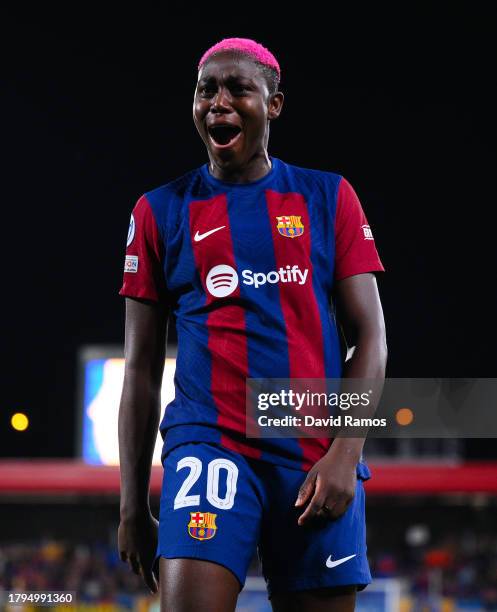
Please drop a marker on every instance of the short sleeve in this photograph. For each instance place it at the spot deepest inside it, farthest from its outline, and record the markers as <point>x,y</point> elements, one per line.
<point>355,250</point>
<point>143,275</point>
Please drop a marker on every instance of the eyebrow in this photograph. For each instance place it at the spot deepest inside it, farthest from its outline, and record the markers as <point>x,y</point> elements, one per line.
<point>230,79</point>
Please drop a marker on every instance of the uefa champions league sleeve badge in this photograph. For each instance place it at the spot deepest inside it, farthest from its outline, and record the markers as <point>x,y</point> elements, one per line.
<point>131,231</point>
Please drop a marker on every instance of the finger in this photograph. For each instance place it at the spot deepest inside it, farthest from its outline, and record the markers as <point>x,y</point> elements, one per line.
<point>306,490</point>
<point>134,563</point>
<point>338,505</point>
<point>326,512</point>
<point>150,581</point>
<point>155,570</point>
<point>337,511</point>
<point>312,509</point>
<point>340,508</point>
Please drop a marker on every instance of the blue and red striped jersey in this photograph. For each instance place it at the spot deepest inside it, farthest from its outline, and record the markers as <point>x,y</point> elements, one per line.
<point>248,270</point>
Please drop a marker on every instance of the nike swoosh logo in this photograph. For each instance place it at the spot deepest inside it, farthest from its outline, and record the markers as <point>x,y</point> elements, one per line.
<point>330,563</point>
<point>198,237</point>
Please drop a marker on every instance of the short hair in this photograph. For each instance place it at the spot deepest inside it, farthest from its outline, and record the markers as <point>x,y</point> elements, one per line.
<point>247,47</point>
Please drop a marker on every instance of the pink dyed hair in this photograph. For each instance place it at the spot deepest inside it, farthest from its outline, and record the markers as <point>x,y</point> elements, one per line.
<point>246,46</point>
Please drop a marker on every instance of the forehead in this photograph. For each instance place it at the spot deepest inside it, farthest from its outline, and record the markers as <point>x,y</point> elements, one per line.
<point>228,66</point>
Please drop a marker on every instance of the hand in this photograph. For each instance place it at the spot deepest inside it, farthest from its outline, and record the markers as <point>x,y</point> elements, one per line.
<point>137,542</point>
<point>328,489</point>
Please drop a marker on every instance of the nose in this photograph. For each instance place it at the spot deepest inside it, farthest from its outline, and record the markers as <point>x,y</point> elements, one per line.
<point>221,101</point>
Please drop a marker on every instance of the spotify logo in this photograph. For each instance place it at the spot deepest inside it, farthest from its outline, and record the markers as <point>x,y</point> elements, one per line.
<point>222,280</point>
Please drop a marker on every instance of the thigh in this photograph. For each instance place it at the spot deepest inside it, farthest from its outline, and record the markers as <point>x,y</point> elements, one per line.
<point>190,585</point>
<point>339,599</point>
<point>210,512</point>
<point>309,559</point>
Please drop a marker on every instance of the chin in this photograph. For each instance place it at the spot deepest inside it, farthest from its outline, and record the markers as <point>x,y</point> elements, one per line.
<point>227,159</point>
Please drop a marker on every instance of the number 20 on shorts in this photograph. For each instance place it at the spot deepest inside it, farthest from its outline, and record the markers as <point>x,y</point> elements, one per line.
<point>214,468</point>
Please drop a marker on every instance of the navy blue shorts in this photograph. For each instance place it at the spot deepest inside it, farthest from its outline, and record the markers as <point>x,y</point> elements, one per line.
<point>220,506</point>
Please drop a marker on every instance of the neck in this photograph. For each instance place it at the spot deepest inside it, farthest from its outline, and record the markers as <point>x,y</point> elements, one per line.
<point>254,169</point>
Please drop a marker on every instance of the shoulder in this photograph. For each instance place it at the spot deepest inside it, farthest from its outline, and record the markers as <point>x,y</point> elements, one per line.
<point>175,188</point>
<point>166,201</point>
<point>324,178</point>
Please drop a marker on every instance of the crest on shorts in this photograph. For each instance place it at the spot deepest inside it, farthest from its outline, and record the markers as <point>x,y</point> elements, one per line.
<point>202,525</point>
<point>290,226</point>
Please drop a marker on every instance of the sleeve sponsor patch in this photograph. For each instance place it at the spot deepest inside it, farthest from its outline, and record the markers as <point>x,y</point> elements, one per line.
<point>131,264</point>
<point>355,250</point>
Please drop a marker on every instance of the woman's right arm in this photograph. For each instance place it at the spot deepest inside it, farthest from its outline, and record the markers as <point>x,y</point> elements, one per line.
<point>139,414</point>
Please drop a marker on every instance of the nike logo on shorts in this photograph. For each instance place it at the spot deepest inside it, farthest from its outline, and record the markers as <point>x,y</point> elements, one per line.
<point>330,563</point>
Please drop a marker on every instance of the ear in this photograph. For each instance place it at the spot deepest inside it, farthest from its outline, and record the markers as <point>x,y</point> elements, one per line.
<point>275,105</point>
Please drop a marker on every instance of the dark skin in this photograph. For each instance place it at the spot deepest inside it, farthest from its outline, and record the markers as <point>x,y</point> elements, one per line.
<point>139,413</point>
<point>232,90</point>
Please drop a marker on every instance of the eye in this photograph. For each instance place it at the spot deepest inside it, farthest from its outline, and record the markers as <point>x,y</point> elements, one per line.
<point>206,91</point>
<point>239,89</point>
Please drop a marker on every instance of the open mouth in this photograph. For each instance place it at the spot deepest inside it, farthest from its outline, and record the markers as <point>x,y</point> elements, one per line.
<point>224,135</point>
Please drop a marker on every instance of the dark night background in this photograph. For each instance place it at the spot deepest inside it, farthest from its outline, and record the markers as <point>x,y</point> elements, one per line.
<point>97,110</point>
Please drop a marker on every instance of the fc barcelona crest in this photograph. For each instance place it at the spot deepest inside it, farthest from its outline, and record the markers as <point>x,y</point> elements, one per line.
<point>290,226</point>
<point>202,525</point>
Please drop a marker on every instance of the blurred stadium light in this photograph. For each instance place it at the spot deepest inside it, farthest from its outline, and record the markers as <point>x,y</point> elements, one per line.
<point>101,374</point>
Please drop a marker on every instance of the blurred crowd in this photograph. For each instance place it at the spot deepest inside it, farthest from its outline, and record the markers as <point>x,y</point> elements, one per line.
<point>461,567</point>
<point>94,573</point>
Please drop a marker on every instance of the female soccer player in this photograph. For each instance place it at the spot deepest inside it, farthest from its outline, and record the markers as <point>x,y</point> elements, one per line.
<point>245,252</point>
